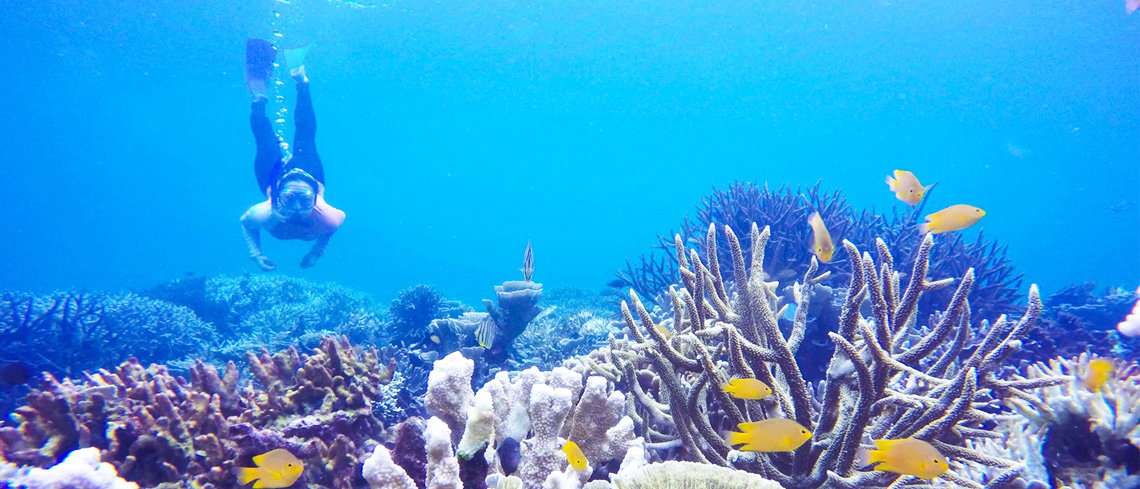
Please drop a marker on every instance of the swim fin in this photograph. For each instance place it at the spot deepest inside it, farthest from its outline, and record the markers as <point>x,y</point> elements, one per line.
<point>295,60</point>
<point>259,57</point>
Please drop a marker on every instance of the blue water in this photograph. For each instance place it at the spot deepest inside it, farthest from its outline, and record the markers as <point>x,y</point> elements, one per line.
<point>453,132</point>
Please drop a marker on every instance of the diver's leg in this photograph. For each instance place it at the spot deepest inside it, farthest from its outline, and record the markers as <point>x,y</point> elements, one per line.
<point>267,162</point>
<point>304,137</point>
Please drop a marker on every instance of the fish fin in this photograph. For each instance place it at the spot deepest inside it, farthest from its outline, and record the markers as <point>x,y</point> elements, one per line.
<point>886,444</point>
<point>245,475</point>
<point>259,484</point>
<point>926,227</point>
<point>886,467</point>
<point>891,182</point>
<point>862,457</point>
<point>259,459</point>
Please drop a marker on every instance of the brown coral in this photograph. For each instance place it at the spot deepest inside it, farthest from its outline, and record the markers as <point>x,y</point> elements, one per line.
<point>157,428</point>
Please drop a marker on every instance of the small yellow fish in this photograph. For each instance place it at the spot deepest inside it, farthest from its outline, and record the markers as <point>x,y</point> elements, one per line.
<point>663,331</point>
<point>1099,371</point>
<point>953,218</point>
<point>821,239</point>
<point>906,187</point>
<point>750,389</point>
<point>908,456</point>
<point>275,468</point>
<point>574,455</point>
<point>435,339</point>
<point>769,435</point>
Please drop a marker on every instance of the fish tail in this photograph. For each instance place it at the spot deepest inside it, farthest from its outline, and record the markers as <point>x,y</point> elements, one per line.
<point>873,456</point>
<point>737,438</point>
<point>891,182</point>
<point>814,219</point>
<point>926,227</point>
<point>246,475</point>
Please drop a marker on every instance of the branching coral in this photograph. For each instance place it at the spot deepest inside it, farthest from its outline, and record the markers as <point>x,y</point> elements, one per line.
<point>65,333</point>
<point>1052,431</point>
<point>888,378</point>
<point>786,211</point>
<point>157,428</point>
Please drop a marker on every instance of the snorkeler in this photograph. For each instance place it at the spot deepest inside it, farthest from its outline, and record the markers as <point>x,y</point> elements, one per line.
<point>294,187</point>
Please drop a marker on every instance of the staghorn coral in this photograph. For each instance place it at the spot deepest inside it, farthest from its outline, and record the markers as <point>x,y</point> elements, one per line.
<point>786,211</point>
<point>156,428</point>
<point>888,378</point>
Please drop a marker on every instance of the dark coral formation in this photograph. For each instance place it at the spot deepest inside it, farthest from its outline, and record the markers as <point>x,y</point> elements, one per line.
<point>414,309</point>
<point>785,211</point>
<point>1077,319</point>
<point>157,428</point>
<point>515,306</point>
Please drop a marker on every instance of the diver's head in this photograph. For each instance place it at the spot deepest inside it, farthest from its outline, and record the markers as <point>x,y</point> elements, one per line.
<point>295,194</point>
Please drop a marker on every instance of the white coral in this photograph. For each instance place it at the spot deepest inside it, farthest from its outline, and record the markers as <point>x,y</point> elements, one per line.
<point>383,473</point>
<point>80,470</point>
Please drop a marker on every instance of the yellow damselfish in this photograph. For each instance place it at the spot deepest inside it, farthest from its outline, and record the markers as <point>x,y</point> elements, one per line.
<point>769,435</point>
<point>574,455</point>
<point>821,239</point>
<point>275,468</point>
<point>906,187</point>
<point>953,218</point>
<point>750,389</point>
<point>1099,371</point>
<point>908,456</point>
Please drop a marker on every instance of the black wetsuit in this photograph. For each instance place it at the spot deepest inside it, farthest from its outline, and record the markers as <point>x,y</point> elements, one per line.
<point>268,165</point>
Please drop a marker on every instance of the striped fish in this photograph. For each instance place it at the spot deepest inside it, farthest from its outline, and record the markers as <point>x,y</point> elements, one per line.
<point>528,262</point>
<point>485,333</point>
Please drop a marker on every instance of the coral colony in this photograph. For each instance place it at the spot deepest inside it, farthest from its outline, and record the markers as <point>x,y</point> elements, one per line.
<point>729,363</point>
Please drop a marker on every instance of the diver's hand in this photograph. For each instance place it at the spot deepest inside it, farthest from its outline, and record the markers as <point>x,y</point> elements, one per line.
<point>265,263</point>
<point>310,259</point>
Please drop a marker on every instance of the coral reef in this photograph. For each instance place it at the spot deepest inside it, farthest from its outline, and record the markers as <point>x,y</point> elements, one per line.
<point>515,306</point>
<point>64,333</point>
<point>889,377</point>
<point>414,309</point>
<point>273,311</point>
<point>1078,320</point>
<point>786,210</point>
<point>538,409</point>
<point>1051,433</point>
<point>579,323</point>
<point>1130,326</point>
<point>156,428</point>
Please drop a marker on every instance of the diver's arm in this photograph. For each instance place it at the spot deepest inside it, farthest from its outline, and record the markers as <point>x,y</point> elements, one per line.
<point>316,251</point>
<point>251,229</point>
